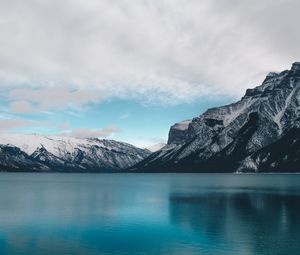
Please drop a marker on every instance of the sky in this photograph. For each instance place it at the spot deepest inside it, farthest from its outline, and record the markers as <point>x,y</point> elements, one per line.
<point>129,69</point>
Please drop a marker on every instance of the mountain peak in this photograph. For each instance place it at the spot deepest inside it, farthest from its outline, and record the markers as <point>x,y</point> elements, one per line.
<point>248,135</point>
<point>179,132</point>
<point>296,66</point>
<point>57,153</point>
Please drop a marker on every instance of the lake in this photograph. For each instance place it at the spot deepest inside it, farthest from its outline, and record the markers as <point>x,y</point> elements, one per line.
<point>149,214</point>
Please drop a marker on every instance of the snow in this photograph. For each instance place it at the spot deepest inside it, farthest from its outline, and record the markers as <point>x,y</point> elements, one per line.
<point>182,125</point>
<point>279,115</point>
<point>248,164</point>
<point>155,147</point>
<point>53,144</point>
<point>237,110</point>
<point>98,154</point>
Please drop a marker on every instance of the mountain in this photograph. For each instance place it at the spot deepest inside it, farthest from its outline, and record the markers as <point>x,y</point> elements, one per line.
<point>155,147</point>
<point>259,133</point>
<point>20,152</point>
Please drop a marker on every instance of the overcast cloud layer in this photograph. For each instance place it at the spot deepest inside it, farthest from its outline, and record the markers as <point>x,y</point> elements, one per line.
<point>166,51</point>
<point>68,54</point>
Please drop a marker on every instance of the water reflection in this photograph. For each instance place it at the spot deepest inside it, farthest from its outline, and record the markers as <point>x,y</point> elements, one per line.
<point>256,223</point>
<point>149,214</point>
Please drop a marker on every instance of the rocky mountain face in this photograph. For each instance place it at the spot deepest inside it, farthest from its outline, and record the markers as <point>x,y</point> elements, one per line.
<point>66,154</point>
<point>259,133</point>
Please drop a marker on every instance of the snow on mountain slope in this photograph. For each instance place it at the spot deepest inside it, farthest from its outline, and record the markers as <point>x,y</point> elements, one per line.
<point>224,138</point>
<point>72,154</point>
<point>53,144</point>
<point>155,147</point>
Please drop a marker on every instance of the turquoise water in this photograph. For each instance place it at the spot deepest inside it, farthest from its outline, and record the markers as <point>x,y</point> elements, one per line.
<point>149,214</point>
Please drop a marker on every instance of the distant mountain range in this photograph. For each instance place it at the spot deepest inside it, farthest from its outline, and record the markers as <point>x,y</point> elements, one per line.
<point>259,133</point>
<point>20,152</point>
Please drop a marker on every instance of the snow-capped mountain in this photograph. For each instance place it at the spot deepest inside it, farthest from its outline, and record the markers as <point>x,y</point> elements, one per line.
<point>155,147</point>
<point>260,133</point>
<point>21,152</point>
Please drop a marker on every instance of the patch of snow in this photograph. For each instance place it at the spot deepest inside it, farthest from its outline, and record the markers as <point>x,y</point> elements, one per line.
<point>53,144</point>
<point>237,111</point>
<point>155,147</point>
<point>248,164</point>
<point>182,125</point>
<point>279,115</point>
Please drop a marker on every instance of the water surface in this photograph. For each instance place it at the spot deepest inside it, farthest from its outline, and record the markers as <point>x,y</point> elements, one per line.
<point>149,214</point>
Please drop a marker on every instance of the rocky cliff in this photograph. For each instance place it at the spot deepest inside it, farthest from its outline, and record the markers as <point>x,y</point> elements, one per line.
<point>259,133</point>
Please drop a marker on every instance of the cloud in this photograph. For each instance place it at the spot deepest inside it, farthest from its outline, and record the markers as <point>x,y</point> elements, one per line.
<point>64,126</point>
<point>67,54</point>
<point>50,98</point>
<point>22,107</point>
<point>106,132</point>
<point>6,124</point>
<point>125,116</point>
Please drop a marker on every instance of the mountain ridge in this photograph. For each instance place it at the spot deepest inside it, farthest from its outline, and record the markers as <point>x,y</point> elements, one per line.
<point>232,138</point>
<point>32,152</point>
